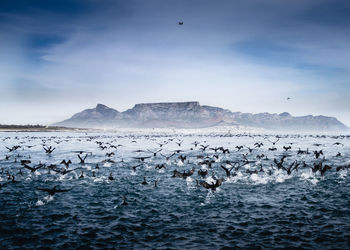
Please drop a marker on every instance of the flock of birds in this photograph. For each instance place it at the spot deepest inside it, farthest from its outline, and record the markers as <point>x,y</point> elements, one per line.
<point>209,164</point>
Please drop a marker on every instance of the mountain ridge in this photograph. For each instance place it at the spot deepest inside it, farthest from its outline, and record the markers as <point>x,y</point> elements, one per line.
<point>194,115</point>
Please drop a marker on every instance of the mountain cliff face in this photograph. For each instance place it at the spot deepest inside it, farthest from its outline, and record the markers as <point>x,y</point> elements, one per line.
<point>194,115</point>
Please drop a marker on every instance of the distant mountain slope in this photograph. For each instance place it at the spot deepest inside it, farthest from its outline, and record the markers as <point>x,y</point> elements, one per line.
<point>100,116</point>
<point>194,115</point>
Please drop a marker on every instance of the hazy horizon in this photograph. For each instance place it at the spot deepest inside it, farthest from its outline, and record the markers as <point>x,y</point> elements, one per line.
<point>61,57</point>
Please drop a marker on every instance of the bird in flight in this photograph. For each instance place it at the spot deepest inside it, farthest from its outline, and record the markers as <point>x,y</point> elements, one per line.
<point>180,23</point>
<point>52,191</point>
<point>288,98</point>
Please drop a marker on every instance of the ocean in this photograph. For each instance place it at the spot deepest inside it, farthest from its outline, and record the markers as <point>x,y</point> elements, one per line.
<point>279,192</point>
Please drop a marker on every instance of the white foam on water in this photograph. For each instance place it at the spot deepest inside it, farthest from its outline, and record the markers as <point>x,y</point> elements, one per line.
<point>107,164</point>
<point>99,179</point>
<point>161,171</point>
<point>189,181</point>
<point>49,198</point>
<point>39,203</point>
<point>87,167</point>
<point>257,179</point>
<point>309,176</point>
<point>67,177</point>
<point>208,198</point>
<point>342,174</point>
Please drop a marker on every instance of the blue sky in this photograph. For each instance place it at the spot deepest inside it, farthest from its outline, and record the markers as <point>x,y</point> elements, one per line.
<point>59,57</point>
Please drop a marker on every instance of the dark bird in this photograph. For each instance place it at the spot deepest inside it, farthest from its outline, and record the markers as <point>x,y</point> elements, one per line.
<point>14,148</point>
<point>33,169</point>
<point>303,151</point>
<point>324,169</point>
<point>215,149</point>
<point>274,142</point>
<point>188,173</point>
<point>343,167</point>
<point>261,156</point>
<point>182,158</point>
<point>180,23</point>
<point>110,177</point>
<point>318,153</point>
<point>124,203</point>
<point>184,174</point>
<point>176,174</point>
<point>155,152</point>
<point>213,185</point>
<point>144,181</point>
<point>204,147</point>
<point>162,144</point>
<point>23,162</point>
<point>82,158</point>
<point>168,157</point>
<point>195,143</point>
<point>108,160</point>
<point>81,175</point>
<point>280,163</point>
<point>134,167</point>
<point>250,149</point>
<point>291,167</point>
<point>227,171</point>
<point>224,150</point>
<point>160,166</point>
<point>202,173</point>
<point>142,158</point>
<point>66,163</point>
<point>62,171</point>
<point>53,190</point>
<point>178,151</point>
<point>48,150</point>
<point>110,154</point>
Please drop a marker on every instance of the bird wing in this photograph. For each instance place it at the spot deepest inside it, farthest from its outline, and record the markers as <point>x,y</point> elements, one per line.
<point>205,184</point>
<point>219,182</point>
<point>44,189</point>
<point>226,170</point>
<point>62,190</point>
<point>28,167</point>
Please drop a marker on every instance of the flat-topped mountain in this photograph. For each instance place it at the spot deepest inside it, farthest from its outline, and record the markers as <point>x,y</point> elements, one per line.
<point>194,115</point>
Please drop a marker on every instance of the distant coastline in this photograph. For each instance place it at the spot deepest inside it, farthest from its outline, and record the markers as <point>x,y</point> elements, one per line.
<point>38,128</point>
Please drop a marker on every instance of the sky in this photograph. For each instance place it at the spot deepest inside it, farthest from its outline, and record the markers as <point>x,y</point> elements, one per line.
<point>58,57</point>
